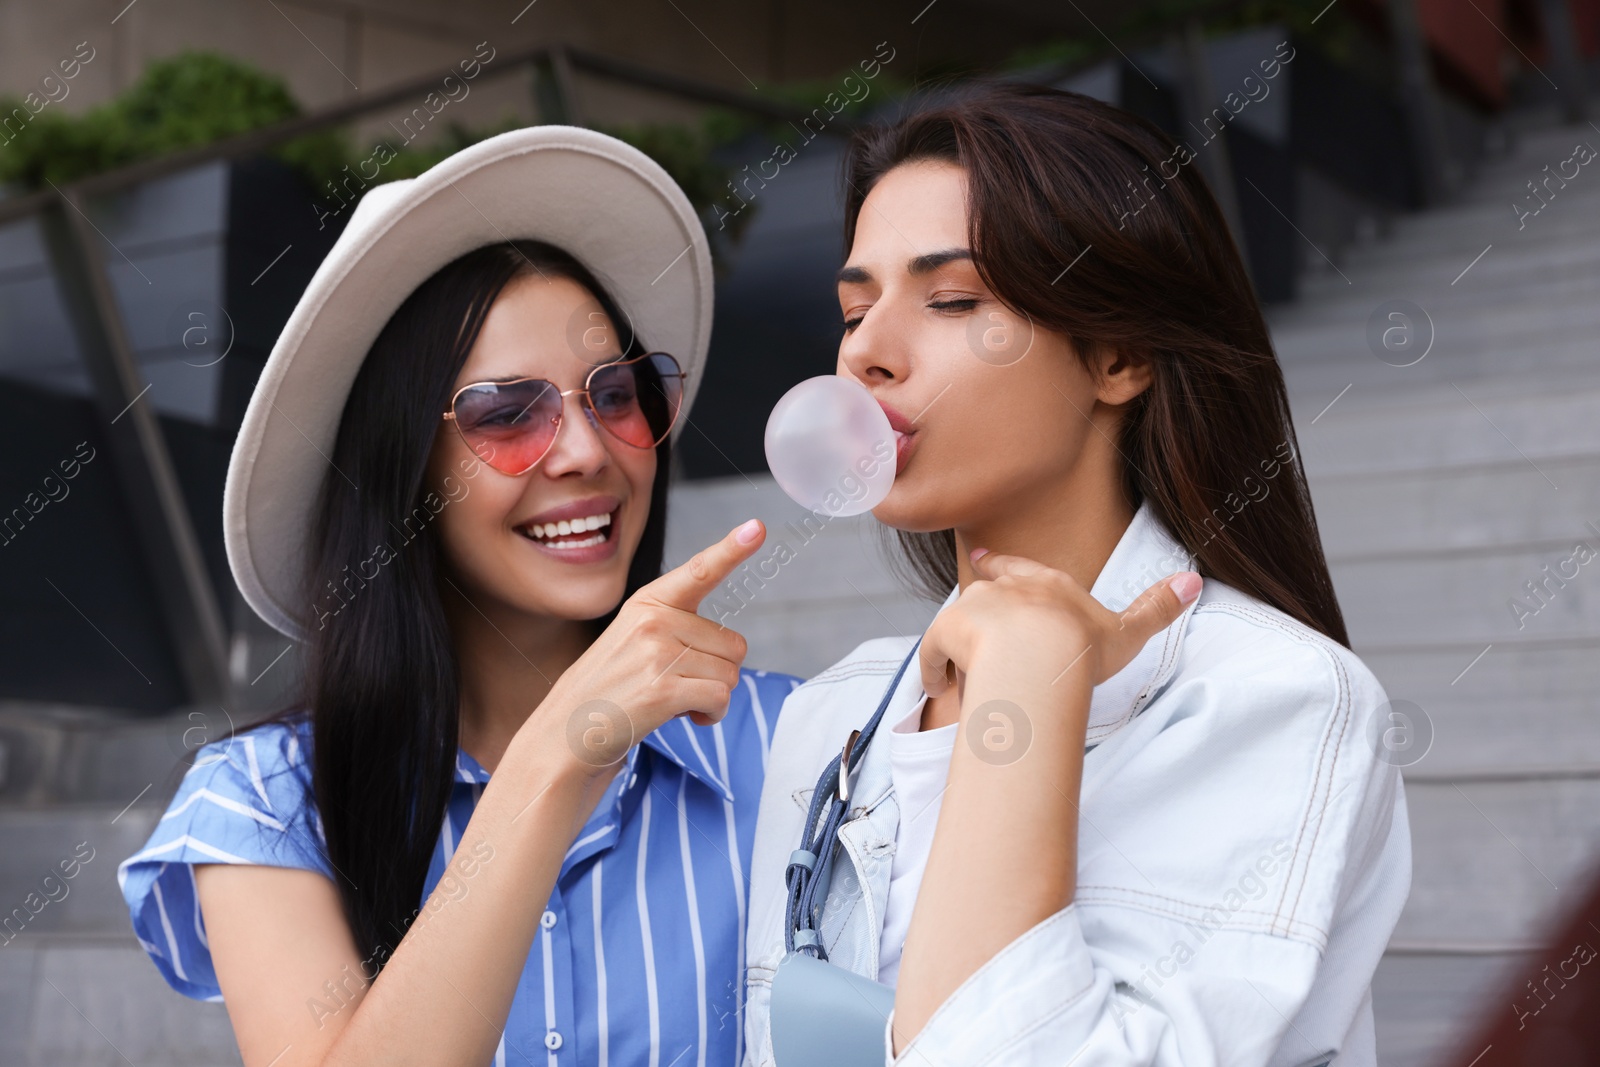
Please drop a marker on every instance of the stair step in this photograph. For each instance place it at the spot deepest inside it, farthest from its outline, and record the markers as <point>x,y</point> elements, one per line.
<point>1469,599</point>
<point>1566,224</point>
<point>57,754</point>
<point>1355,382</point>
<point>1489,202</point>
<point>1497,862</point>
<point>1514,265</point>
<point>40,845</point>
<point>1434,512</point>
<point>1502,288</point>
<point>1514,709</point>
<point>97,1002</point>
<point>1466,429</point>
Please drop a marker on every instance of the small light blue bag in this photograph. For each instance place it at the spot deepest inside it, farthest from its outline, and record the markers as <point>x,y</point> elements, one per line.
<point>826,1016</point>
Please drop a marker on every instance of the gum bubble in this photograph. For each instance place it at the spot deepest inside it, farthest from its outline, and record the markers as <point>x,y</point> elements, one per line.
<point>829,446</point>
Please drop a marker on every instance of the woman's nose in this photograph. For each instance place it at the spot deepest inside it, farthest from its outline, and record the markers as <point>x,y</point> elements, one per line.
<point>580,440</point>
<point>872,352</point>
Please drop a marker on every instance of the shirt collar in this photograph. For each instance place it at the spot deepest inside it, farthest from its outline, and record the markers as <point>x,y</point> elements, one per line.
<point>469,769</point>
<point>692,748</point>
<point>665,742</point>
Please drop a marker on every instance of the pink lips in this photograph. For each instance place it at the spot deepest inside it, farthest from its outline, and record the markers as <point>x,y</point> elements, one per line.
<point>897,421</point>
<point>904,445</point>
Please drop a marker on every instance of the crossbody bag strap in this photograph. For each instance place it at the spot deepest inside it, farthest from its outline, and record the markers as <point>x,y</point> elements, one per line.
<point>810,868</point>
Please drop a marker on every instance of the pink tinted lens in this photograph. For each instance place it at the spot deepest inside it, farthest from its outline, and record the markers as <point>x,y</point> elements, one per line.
<point>638,400</point>
<point>510,426</point>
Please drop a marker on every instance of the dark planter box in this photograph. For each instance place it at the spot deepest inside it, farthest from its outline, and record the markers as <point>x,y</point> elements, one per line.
<point>191,258</point>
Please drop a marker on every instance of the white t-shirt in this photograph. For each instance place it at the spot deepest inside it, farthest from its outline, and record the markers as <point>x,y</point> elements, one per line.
<point>919,765</point>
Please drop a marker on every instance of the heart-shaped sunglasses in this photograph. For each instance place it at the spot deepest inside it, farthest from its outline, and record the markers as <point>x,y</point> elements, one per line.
<point>512,425</point>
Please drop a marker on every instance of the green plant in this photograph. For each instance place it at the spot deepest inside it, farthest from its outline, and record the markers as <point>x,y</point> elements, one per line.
<point>195,98</point>
<point>190,99</point>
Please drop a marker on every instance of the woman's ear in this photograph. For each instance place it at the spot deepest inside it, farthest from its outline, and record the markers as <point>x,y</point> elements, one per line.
<point>1122,376</point>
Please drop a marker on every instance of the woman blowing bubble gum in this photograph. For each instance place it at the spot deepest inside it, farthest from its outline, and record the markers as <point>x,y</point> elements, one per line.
<point>511,822</point>
<point>1122,802</point>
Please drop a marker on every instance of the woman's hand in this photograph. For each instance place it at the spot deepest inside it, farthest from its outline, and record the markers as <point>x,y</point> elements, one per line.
<point>658,659</point>
<point>1039,625</point>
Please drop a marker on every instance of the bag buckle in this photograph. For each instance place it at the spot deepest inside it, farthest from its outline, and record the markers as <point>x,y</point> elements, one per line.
<point>844,765</point>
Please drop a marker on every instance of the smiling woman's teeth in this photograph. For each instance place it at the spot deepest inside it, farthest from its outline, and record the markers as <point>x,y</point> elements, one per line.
<point>572,530</point>
<point>585,543</point>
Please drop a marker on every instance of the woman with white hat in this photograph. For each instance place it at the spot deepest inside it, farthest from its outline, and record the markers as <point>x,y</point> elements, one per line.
<point>450,485</point>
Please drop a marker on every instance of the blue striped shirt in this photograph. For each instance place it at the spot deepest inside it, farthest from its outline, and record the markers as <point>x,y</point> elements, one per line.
<point>639,958</point>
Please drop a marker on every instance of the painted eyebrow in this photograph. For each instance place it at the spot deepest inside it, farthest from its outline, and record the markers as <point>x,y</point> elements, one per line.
<point>922,264</point>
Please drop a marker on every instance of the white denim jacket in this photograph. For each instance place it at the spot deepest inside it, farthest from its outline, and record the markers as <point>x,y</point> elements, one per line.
<point>1243,850</point>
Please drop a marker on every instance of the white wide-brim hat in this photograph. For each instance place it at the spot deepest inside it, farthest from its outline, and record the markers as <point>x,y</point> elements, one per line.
<point>602,201</point>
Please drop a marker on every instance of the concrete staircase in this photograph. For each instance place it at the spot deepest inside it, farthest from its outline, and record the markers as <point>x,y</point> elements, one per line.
<point>1441,489</point>
<point>75,986</point>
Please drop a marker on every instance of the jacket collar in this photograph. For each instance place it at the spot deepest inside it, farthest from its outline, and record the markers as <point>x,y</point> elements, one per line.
<point>1144,554</point>
<point>665,742</point>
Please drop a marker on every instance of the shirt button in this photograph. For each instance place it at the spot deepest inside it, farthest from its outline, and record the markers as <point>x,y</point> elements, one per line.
<point>552,1040</point>
<point>548,920</point>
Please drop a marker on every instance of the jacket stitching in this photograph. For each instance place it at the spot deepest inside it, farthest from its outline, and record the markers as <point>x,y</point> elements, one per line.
<point>858,860</point>
<point>1175,634</point>
<point>860,666</point>
<point>833,679</point>
<point>1327,762</point>
<point>843,915</point>
<point>1316,781</point>
<point>872,666</point>
<point>1340,706</point>
<point>1265,929</point>
<point>1344,726</point>
<point>1186,903</point>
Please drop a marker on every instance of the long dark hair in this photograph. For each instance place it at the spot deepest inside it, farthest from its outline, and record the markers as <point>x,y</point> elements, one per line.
<point>381,685</point>
<point>1064,184</point>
